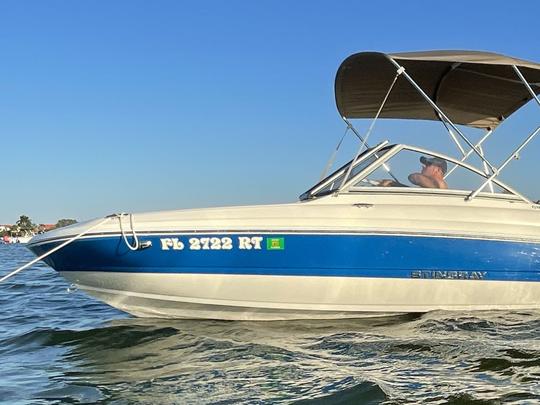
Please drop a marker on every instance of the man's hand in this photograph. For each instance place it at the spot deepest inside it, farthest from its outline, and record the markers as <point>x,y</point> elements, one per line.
<point>387,183</point>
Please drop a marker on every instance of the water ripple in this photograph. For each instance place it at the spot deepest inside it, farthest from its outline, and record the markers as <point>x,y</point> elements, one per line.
<point>62,347</point>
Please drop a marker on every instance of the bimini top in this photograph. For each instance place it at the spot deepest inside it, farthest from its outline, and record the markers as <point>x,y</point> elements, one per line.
<point>477,89</point>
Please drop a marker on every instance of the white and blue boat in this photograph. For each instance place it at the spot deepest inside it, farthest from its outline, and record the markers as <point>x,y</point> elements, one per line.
<point>365,240</point>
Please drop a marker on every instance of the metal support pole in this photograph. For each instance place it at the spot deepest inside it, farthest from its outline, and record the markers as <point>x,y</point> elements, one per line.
<point>496,172</point>
<point>333,156</point>
<point>353,129</point>
<point>486,169</point>
<point>439,111</point>
<point>347,174</point>
<point>358,154</point>
<point>526,83</point>
<point>453,136</point>
<point>464,158</point>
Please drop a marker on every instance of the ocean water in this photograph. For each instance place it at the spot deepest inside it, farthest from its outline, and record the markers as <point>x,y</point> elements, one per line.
<point>59,346</point>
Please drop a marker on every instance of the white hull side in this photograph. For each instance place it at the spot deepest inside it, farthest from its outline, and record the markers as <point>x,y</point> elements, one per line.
<point>256,297</point>
<point>369,212</point>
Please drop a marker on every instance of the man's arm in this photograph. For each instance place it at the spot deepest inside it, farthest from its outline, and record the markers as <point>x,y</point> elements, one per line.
<point>422,181</point>
<point>391,183</point>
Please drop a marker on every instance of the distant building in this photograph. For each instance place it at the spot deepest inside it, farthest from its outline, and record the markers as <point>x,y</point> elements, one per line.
<point>45,227</point>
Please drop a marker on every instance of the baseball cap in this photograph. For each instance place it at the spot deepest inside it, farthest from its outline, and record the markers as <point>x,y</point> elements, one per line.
<point>435,161</point>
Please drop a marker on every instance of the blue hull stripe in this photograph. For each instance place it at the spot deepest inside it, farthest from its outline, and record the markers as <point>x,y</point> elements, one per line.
<point>387,256</point>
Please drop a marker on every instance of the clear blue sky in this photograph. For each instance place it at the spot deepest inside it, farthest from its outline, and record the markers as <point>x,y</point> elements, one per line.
<point>110,106</point>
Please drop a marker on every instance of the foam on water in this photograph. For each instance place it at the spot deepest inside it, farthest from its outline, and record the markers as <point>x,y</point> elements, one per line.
<point>58,346</point>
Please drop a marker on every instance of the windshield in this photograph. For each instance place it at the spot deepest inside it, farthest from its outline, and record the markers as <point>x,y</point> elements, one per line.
<point>417,169</point>
<point>332,182</point>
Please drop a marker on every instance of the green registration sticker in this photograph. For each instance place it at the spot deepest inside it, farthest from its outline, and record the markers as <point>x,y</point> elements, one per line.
<point>275,243</point>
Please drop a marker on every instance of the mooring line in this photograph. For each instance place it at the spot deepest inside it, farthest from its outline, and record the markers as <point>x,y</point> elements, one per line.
<point>67,242</point>
<point>136,245</point>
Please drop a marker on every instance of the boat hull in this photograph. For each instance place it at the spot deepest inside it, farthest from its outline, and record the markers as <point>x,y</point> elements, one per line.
<point>256,297</point>
<point>274,276</point>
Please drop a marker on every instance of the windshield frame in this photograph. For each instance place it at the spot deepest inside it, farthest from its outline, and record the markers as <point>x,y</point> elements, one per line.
<point>349,186</point>
<point>314,192</point>
<point>387,152</point>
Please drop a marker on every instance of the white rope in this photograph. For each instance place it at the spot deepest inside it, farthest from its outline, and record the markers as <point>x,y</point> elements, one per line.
<point>135,238</point>
<point>67,242</point>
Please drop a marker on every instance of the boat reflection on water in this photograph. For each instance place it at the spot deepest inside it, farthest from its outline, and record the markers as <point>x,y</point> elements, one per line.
<point>131,347</point>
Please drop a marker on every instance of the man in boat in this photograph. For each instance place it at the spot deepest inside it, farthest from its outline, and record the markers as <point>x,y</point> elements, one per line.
<point>432,174</point>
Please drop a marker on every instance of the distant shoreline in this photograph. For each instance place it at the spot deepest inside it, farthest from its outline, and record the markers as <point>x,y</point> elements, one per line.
<point>12,240</point>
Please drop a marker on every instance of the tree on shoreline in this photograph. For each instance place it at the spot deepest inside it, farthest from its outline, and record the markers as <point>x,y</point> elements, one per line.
<point>65,222</point>
<point>24,226</point>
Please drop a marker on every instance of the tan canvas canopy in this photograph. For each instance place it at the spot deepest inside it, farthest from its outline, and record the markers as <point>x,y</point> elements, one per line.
<point>477,89</point>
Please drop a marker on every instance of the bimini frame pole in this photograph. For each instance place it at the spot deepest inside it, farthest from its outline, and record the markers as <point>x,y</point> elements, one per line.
<point>353,129</point>
<point>453,136</point>
<point>526,83</point>
<point>496,172</point>
<point>383,103</point>
<point>439,111</point>
<point>464,158</point>
<point>333,156</point>
<point>486,169</point>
